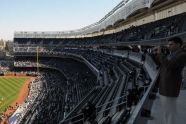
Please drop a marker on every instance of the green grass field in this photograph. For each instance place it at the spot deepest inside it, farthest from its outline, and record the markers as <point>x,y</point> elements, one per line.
<point>9,90</point>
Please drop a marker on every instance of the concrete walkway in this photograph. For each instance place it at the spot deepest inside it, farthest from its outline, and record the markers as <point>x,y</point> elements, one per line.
<point>181,113</point>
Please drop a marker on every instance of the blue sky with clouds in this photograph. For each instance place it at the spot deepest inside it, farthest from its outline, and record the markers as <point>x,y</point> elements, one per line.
<point>50,15</point>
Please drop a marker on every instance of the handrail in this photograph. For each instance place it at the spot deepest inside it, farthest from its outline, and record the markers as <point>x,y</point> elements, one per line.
<point>78,104</point>
<point>113,106</point>
<point>69,119</point>
<point>112,100</point>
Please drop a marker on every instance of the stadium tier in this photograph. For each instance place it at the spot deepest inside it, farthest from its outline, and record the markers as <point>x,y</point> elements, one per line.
<point>115,85</point>
<point>155,30</point>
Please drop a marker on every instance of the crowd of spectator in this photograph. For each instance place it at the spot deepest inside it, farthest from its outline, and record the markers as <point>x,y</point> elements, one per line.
<point>5,66</point>
<point>113,71</point>
<point>78,82</point>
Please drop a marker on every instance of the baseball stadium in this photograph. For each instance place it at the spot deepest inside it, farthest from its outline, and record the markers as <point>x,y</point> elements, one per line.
<point>104,73</point>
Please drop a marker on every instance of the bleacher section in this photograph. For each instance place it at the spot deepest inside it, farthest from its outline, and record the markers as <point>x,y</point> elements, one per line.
<point>116,86</point>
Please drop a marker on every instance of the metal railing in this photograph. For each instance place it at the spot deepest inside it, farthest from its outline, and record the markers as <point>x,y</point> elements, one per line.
<point>81,116</point>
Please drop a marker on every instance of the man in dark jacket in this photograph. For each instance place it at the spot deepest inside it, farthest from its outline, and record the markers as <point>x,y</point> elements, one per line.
<point>170,78</point>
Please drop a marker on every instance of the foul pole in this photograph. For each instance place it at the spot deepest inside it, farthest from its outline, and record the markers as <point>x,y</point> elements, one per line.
<point>37,59</point>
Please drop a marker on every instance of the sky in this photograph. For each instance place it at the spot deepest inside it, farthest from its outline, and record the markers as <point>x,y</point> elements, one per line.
<point>50,15</point>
